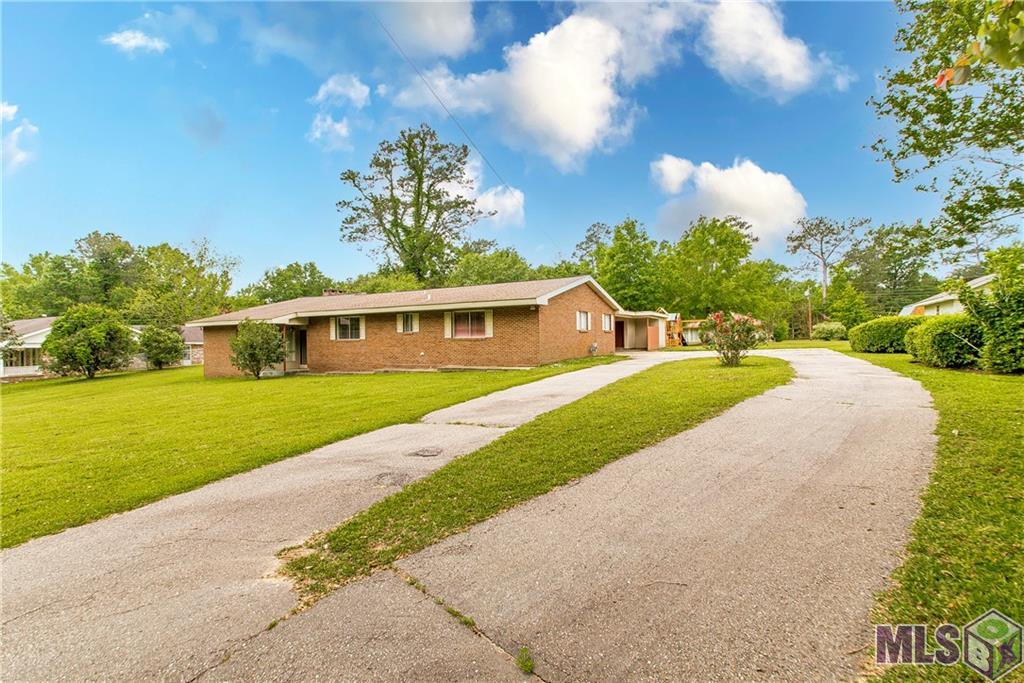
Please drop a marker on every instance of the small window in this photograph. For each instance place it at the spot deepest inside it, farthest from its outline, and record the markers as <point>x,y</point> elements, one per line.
<point>469,324</point>
<point>583,321</point>
<point>349,328</point>
<point>408,322</point>
<point>606,322</point>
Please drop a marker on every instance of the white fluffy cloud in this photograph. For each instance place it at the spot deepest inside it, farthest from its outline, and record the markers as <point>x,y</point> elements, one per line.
<point>561,94</point>
<point>17,142</point>
<point>132,40</point>
<point>340,88</point>
<point>767,200</point>
<point>671,173</point>
<point>508,203</point>
<point>745,42</point>
<point>430,29</point>
<point>332,135</point>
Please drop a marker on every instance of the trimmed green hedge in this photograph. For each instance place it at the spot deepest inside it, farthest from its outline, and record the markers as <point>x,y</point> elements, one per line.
<point>946,341</point>
<point>883,335</point>
<point>828,331</point>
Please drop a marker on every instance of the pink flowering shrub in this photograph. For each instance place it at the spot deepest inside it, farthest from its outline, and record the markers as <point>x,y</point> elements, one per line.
<point>732,335</point>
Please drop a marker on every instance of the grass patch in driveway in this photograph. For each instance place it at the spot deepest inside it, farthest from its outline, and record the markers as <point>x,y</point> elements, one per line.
<point>966,553</point>
<point>77,450</point>
<point>550,451</point>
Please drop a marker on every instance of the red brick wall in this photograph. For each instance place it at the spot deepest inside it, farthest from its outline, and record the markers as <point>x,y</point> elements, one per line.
<point>514,344</point>
<point>559,338</point>
<point>217,353</point>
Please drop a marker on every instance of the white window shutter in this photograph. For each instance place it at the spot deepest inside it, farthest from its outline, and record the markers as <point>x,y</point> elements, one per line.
<point>398,323</point>
<point>415,322</point>
<point>488,323</point>
<point>447,325</point>
<point>334,328</point>
<point>362,327</point>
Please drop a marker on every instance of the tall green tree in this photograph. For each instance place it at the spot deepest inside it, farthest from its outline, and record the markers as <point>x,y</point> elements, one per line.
<point>825,241</point>
<point>47,284</point>
<point>889,267</point>
<point>846,303</point>
<point>289,282</point>
<point>112,266</point>
<point>701,272</point>
<point>964,143</point>
<point>585,253</point>
<point>413,203</point>
<point>179,285</point>
<point>626,266</point>
<point>500,265</point>
<point>88,338</point>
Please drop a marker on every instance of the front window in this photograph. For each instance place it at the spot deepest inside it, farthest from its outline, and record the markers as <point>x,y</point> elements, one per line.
<point>583,321</point>
<point>24,358</point>
<point>606,322</point>
<point>408,322</point>
<point>348,328</point>
<point>468,324</point>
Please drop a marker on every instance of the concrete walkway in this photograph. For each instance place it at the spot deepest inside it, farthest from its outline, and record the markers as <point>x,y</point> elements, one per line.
<point>165,591</point>
<point>748,548</point>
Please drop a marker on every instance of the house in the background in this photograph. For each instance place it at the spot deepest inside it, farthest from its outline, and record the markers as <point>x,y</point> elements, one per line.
<point>512,324</point>
<point>945,302</point>
<point>193,337</point>
<point>27,359</point>
<point>680,331</point>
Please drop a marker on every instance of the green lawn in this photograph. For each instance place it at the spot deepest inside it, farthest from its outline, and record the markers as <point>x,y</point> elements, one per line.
<point>76,450</point>
<point>966,553</point>
<point>531,460</point>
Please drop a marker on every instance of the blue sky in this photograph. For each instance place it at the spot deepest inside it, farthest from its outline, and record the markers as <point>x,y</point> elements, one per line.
<point>168,122</point>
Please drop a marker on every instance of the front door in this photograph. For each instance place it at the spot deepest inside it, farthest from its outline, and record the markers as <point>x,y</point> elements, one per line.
<point>300,341</point>
<point>620,334</point>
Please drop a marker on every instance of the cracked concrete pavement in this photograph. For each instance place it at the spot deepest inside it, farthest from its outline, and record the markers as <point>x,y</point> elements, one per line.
<point>166,590</point>
<point>747,548</point>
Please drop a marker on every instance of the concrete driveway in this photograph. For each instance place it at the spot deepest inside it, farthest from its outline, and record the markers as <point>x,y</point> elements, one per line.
<point>748,548</point>
<point>165,591</point>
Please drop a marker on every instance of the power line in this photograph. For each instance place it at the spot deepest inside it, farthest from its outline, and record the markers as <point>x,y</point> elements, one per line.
<point>439,100</point>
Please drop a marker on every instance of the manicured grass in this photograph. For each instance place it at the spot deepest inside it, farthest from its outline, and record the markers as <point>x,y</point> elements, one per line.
<point>618,420</point>
<point>966,553</point>
<point>77,450</point>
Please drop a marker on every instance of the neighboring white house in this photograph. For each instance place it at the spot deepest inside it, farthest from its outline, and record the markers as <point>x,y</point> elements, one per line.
<point>27,358</point>
<point>944,302</point>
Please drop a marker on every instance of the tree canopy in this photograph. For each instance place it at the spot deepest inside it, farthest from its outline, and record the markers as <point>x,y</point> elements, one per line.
<point>414,203</point>
<point>965,143</point>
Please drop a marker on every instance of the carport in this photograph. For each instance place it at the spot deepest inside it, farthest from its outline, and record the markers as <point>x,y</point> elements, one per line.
<point>640,330</point>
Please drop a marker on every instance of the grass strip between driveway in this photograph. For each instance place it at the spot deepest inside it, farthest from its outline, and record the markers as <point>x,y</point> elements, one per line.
<point>77,450</point>
<point>552,450</point>
<point>966,552</point>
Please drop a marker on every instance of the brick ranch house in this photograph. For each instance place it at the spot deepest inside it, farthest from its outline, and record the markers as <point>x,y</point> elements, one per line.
<point>513,324</point>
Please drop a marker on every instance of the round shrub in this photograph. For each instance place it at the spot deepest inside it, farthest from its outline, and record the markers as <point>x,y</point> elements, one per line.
<point>883,335</point>
<point>781,331</point>
<point>947,341</point>
<point>828,331</point>
<point>910,340</point>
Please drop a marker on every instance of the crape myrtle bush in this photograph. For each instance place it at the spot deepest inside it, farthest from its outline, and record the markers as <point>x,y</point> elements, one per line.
<point>732,335</point>
<point>883,335</point>
<point>829,331</point>
<point>946,341</point>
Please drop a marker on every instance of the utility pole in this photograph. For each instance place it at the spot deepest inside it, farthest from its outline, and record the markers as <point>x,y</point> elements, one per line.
<point>810,321</point>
